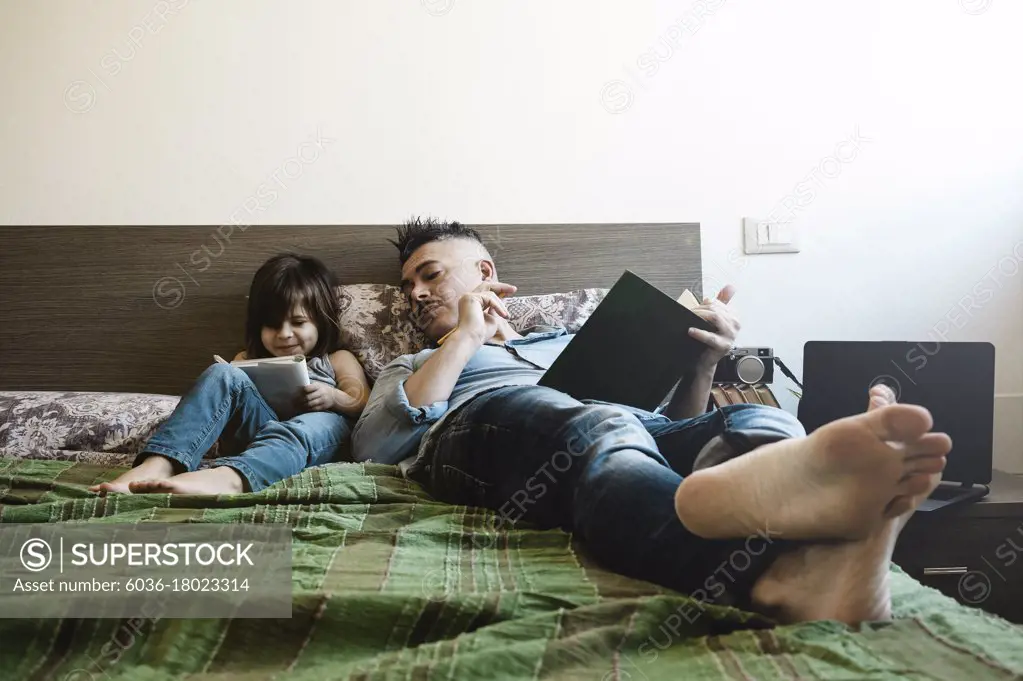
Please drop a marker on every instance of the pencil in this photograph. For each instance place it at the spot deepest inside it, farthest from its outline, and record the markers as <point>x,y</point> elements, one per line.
<point>443,338</point>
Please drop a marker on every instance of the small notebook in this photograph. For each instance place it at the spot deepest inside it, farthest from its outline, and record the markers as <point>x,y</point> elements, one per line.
<point>278,379</point>
<point>633,348</point>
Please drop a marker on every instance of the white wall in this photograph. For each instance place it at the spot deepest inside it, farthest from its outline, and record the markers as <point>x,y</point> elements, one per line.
<point>500,111</point>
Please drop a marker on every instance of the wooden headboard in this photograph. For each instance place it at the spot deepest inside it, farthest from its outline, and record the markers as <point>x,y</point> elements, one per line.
<point>143,309</point>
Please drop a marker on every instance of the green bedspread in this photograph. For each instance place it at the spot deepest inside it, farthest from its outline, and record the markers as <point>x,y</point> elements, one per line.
<point>388,583</point>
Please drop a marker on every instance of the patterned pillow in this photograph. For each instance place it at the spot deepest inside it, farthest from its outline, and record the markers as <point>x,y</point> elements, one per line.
<point>375,322</point>
<point>101,427</point>
<point>566,310</point>
<point>375,325</point>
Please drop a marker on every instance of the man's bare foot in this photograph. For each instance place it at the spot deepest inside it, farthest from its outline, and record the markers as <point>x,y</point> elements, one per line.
<point>843,481</point>
<point>153,467</point>
<point>847,581</point>
<point>219,480</point>
<point>881,396</point>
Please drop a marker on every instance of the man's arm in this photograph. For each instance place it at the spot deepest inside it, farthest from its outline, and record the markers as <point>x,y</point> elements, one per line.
<point>479,314</point>
<point>435,380</point>
<point>693,392</point>
<point>406,401</point>
<point>390,427</point>
<point>691,395</point>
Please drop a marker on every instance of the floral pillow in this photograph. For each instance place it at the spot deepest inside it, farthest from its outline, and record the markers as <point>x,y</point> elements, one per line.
<point>375,325</point>
<point>375,322</point>
<point>102,427</point>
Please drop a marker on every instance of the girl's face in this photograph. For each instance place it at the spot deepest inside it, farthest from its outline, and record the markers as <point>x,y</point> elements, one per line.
<point>297,335</point>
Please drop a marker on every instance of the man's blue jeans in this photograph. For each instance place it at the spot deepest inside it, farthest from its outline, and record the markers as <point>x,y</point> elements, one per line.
<point>606,474</point>
<point>224,403</point>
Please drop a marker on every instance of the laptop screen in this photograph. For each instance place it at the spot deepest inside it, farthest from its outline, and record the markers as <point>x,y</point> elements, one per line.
<point>955,381</point>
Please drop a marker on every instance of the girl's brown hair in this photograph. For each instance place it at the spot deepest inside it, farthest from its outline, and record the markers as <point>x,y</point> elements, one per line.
<point>287,281</point>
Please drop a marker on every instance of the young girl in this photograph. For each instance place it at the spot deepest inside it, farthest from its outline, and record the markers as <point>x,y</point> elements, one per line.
<point>292,310</point>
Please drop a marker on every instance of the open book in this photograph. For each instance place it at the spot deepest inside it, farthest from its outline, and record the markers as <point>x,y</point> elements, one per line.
<point>278,379</point>
<point>633,348</point>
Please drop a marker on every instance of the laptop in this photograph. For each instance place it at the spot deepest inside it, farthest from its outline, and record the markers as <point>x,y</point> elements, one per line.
<point>955,381</point>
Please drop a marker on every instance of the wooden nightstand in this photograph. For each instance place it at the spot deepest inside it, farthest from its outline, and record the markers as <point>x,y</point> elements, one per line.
<point>972,552</point>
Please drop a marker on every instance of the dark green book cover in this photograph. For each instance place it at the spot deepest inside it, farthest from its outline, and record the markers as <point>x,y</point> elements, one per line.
<point>632,350</point>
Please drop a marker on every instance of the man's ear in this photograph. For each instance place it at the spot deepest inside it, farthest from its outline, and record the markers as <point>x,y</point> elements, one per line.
<point>488,270</point>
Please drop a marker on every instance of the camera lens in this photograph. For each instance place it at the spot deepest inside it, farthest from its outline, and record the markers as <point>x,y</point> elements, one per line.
<point>750,369</point>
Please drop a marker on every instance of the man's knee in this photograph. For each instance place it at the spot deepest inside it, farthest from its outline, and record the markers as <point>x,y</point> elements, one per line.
<point>610,423</point>
<point>762,418</point>
<point>570,426</point>
<point>748,426</point>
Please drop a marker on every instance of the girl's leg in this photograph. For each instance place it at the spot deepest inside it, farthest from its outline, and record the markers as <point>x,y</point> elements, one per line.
<point>280,449</point>
<point>222,396</point>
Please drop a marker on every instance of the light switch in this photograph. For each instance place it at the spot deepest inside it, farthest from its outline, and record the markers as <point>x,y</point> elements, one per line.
<point>762,236</point>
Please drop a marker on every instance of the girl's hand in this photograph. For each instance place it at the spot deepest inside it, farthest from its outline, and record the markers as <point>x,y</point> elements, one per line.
<point>318,397</point>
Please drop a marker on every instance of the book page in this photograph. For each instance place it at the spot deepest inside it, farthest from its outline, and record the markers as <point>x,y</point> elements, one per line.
<point>688,300</point>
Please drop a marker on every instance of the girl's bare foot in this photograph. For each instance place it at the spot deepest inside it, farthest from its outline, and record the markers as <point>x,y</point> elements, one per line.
<point>843,481</point>
<point>219,480</point>
<point>153,467</point>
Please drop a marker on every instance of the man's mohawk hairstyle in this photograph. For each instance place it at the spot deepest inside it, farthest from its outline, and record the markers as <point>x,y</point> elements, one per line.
<point>418,231</point>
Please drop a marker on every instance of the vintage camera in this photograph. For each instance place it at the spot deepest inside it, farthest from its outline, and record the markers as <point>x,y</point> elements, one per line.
<point>746,365</point>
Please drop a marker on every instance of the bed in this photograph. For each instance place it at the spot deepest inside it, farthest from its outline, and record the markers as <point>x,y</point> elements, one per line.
<point>392,584</point>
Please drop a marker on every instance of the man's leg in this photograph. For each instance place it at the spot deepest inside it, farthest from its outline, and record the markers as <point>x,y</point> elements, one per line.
<point>854,483</point>
<point>846,581</point>
<point>731,432</point>
<point>501,452</point>
<point>721,435</point>
<point>842,482</point>
<point>536,455</point>
<point>725,571</point>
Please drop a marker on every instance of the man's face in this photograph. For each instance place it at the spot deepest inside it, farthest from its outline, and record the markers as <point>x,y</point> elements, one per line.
<point>436,276</point>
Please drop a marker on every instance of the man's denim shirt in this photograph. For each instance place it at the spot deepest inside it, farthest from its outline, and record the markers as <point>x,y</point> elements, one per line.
<point>390,429</point>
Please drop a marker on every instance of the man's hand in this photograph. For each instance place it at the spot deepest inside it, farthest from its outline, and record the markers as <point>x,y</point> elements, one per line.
<point>480,310</point>
<point>716,312</point>
<point>479,314</point>
<point>317,396</point>
<point>693,391</point>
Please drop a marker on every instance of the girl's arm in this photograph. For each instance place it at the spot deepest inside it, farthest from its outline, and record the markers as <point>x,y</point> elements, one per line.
<point>352,387</point>
<point>240,355</point>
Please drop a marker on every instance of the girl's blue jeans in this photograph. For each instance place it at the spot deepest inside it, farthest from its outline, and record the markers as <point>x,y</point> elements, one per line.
<point>224,404</point>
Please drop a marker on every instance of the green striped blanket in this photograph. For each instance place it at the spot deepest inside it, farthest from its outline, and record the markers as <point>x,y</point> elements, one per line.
<point>388,583</point>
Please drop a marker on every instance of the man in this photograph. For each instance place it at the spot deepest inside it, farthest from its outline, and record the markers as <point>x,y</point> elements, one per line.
<point>662,497</point>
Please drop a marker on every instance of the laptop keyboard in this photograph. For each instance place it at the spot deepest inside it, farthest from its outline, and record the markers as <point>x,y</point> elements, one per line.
<point>944,494</point>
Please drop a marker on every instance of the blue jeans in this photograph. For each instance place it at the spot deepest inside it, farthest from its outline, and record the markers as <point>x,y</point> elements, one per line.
<point>225,404</point>
<point>606,473</point>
